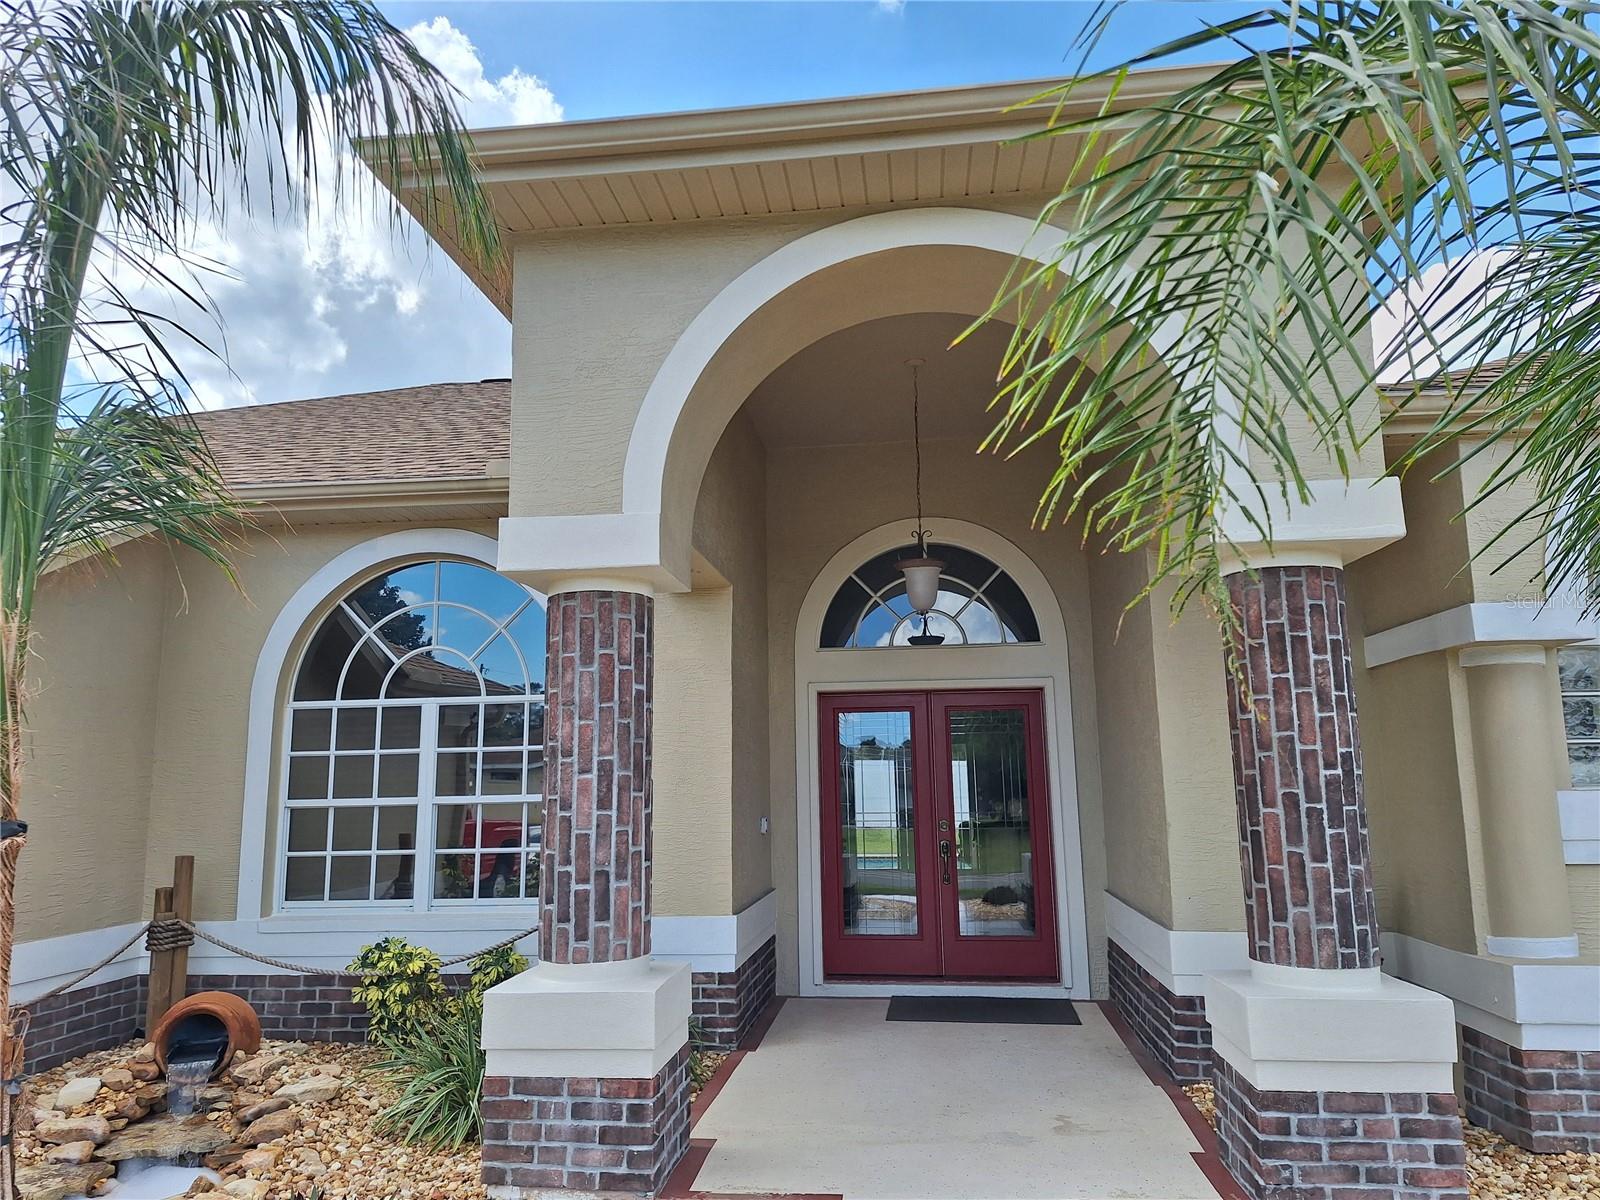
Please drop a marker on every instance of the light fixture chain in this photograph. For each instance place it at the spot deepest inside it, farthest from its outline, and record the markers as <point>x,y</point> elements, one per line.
<point>916,449</point>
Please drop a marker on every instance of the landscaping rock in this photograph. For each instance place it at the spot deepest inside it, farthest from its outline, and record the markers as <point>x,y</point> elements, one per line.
<point>58,1131</point>
<point>225,1157</point>
<point>145,1053</point>
<point>76,1092</point>
<point>260,1108</point>
<point>254,1070</point>
<point>131,1108</point>
<point>247,1189</point>
<point>165,1137</point>
<point>262,1158</point>
<point>200,1186</point>
<point>315,1089</point>
<point>71,1152</point>
<point>308,1162</point>
<point>144,1072</point>
<point>118,1079</point>
<point>270,1128</point>
<point>57,1181</point>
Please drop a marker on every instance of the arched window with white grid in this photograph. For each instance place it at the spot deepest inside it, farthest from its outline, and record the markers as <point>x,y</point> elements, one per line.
<point>414,751</point>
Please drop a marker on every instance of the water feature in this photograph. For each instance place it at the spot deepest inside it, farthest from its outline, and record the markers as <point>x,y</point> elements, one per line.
<point>195,1049</point>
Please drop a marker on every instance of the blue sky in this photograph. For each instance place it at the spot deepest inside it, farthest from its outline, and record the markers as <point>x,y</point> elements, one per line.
<point>616,59</point>
<point>340,304</point>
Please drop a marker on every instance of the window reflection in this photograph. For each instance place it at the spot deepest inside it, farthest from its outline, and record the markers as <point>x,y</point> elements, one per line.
<point>978,604</point>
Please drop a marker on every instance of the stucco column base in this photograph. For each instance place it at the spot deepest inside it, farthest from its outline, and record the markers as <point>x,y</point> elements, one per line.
<point>586,1089</point>
<point>1329,1083</point>
<point>622,1019</point>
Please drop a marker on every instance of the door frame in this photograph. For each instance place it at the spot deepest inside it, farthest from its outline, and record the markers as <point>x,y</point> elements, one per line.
<point>1044,666</point>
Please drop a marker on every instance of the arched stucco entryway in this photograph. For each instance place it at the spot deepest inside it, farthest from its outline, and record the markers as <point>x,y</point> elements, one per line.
<point>1042,664</point>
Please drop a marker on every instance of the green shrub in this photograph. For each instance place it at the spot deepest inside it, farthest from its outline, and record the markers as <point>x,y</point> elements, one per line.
<point>400,987</point>
<point>492,967</point>
<point>440,1076</point>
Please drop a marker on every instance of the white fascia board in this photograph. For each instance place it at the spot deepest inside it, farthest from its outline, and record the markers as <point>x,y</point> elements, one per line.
<point>1483,623</point>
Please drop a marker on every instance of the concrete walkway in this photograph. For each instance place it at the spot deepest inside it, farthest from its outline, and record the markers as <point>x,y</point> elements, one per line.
<point>839,1101</point>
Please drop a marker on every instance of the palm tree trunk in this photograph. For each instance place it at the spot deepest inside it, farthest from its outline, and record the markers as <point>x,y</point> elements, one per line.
<point>13,652</point>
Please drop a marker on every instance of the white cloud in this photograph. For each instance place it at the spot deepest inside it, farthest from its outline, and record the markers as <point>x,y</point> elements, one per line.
<point>891,6</point>
<point>340,300</point>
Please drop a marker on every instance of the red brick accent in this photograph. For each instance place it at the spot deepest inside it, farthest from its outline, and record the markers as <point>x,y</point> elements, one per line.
<point>1339,1145</point>
<point>596,870</point>
<point>586,1135</point>
<point>728,1003</point>
<point>305,1008</point>
<point>93,1017</point>
<point>1297,772</point>
<point>1172,1028</point>
<point>1547,1101</point>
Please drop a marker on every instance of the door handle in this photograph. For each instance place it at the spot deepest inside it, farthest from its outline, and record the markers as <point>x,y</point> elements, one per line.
<point>944,858</point>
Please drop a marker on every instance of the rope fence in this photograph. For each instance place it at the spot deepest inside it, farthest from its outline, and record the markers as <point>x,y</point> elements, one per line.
<point>168,932</point>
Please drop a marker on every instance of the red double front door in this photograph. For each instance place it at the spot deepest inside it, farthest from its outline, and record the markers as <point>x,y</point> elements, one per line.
<point>936,836</point>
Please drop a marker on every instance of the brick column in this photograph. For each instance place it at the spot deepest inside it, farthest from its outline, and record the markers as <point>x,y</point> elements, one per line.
<point>1297,772</point>
<point>587,1087</point>
<point>1330,1079</point>
<point>595,889</point>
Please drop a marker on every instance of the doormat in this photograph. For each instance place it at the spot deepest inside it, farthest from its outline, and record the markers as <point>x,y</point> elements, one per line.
<point>984,1010</point>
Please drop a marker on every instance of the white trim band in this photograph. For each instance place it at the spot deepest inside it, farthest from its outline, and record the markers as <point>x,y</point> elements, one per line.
<point>1580,825</point>
<point>1534,1006</point>
<point>1503,656</point>
<point>1499,621</point>
<point>1533,947</point>
<point>1179,958</point>
<point>1343,520</point>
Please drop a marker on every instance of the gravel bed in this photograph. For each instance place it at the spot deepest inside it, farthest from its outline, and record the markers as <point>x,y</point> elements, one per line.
<point>1496,1169</point>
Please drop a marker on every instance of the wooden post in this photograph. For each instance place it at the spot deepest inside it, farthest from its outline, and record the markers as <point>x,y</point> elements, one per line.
<point>169,969</point>
<point>158,992</point>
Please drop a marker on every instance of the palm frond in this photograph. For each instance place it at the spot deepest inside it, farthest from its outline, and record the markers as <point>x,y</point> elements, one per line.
<point>1252,224</point>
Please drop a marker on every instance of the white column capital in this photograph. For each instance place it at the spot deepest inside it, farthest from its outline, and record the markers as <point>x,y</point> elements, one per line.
<point>1503,655</point>
<point>1338,522</point>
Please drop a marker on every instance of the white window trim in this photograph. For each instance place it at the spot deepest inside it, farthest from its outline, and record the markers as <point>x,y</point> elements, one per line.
<point>279,656</point>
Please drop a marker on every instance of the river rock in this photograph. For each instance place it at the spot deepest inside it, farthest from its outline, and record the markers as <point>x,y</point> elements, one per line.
<point>260,1107</point>
<point>308,1162</point>
<point>165,1137</point>
<point>75,1092</point>
<point>131,1108</point>
<point>270,1128</point>
<point>57,1181</point>
<point>200,1186</point>
<point>58,1131</point>
<point>144,1072</point>
<point>117,1079</point>
<point>312,1090</point>
<point>145,1053</point>
<point>247,1189</point>
<point>254,1070</point>
<point>71,1152</point>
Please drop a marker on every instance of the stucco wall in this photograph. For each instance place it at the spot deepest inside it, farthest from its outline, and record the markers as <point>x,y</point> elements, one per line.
<point>711,775</point>
<point>95,687</point>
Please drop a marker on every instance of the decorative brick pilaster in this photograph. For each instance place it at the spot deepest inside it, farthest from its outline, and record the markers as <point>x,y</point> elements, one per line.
<point>1339,1145</point>
<point>728,1003</point>
<point>1297,772</point>
<point>1172,1027</point>
<point>596,872</point>
<point>1547,1101</point>
<point>585,1135</point>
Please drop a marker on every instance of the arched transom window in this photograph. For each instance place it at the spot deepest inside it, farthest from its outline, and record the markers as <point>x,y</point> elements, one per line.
<point>414,763</point>
<point>978,604</point>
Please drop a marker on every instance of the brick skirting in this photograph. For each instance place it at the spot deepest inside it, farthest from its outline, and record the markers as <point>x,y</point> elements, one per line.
<point>304,1008</point>
<point>89,1018</point>
<point>585,1135</point>
<point>1172,1027</point>
<point>1547,1101</point>
<point>1339,1145</point>
<point>728,1003</point>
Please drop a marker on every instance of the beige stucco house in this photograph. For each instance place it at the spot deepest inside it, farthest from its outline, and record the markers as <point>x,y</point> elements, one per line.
<point>626,634</point>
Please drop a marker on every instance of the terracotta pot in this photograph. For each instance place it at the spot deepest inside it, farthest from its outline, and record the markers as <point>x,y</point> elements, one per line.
<point>237,1021</point>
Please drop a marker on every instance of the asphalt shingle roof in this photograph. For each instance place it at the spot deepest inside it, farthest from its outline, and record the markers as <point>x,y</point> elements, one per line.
<point>437,431</point>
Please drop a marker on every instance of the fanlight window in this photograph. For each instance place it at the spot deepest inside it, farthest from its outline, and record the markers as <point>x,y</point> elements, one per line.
<point>978,604</point>
<point>414,768</point>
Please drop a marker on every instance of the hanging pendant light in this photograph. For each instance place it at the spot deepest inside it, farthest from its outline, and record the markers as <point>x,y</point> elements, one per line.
<point>921,569</point>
